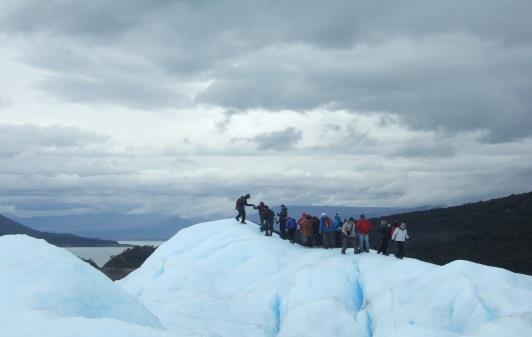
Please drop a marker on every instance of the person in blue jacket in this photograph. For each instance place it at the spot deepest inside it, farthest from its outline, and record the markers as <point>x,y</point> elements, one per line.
<point>327,230</point>
<point>291,227</point>
<point>337,223</point>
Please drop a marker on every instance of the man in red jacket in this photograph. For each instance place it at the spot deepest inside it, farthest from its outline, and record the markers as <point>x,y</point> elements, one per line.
<point>363,229</point>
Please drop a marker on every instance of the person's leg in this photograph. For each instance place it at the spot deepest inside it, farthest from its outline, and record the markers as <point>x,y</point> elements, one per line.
<point>354,243</point>
<point>243,216</point>
<point>397,252</point>
<point>385,246</point>
<point>366,243</point>
<point>325,240</point>
<point>282,229</point>
<point>360,243</point>
<point>344,243</point>
<point>401,249</point>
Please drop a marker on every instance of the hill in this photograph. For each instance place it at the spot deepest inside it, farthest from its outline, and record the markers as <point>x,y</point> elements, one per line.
<point>8,226</point>
<point>497,232</point>
<point>124,263</point>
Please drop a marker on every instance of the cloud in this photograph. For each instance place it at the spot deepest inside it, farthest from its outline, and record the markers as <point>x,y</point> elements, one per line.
<point>178,106</point>
<point>278,140</point>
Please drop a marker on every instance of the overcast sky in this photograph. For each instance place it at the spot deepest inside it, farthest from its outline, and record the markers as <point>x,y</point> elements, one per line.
<point>179,107</point>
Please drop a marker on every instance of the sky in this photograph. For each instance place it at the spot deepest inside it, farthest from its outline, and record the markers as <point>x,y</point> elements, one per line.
<point>179,107</point>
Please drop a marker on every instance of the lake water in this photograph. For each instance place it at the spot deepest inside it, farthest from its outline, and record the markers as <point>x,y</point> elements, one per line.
<point>100,255</point>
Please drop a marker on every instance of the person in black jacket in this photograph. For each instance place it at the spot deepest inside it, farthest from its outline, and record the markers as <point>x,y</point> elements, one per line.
<point>316,230</point>
<point>262,208</point>
<point>283,215</point>
<point>268,219</point>
<point>241,204</point>
<point>386,235</point>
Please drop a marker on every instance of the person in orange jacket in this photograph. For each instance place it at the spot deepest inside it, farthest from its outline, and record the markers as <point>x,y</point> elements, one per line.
<point>363,229</point>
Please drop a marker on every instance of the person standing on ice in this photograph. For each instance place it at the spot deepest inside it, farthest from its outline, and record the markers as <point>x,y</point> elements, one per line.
<point>363,228</point>
<point>241,204</point>
<point>269,217</point>
<point>337,224</point>
<point>262,215</point>
<point>316,232</point>
<point>327,231</point>
<point>386,235</point>
<point>283,215</point>
<point>291,226</point>
<point>400,236</point>
<point>305,226</point>
<point>349,235</point>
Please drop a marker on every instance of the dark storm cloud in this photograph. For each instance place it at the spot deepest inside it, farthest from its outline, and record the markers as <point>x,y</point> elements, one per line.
<point>453,65</point>
<point>278,140</point>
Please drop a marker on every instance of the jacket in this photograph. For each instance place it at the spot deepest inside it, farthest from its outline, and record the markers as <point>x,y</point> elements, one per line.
<point>337,222</point>
<point>291,223</point>
<point>326,225</point>
<point>283,214</point>
<point>349,229</point>
<point>400,235</point>
<point>306,226</point>
<point>386,232</point>
<point>363,226</point>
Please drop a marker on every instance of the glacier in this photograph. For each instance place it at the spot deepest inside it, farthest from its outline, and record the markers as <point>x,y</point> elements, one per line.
<point>223,278</point>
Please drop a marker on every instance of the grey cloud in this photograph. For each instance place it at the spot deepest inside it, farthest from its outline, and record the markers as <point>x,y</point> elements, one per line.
<point>434,66</point>
<point>278,140</point>
<point>17,139</point>
<point>222,125</point>
<point>129,92</point>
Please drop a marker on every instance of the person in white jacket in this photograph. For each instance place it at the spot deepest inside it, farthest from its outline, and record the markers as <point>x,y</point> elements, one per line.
<point>400,235</point>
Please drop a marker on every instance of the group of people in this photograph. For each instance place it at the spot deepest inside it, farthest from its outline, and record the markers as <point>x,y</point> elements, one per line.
<point>326,231</point>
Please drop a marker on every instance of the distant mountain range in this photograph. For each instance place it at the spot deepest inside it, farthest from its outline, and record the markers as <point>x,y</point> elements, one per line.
<point>115,226</point>
<point>8,226</point>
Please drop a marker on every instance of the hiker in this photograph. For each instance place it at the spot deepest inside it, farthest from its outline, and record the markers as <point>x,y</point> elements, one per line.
<point>241,204</point>
<point>349,235</point>
<point>291,226</point>
<point>386,235</point>
<point>400,236</point>
<point>363,227</point>
<point>269,217</point>
<point>337,224</point>
<point>305,226</point>
<point>283,214</point>
<point>316,231</point>
<point>395,225</point>
<point>327,231</point>
<point>262,215</point>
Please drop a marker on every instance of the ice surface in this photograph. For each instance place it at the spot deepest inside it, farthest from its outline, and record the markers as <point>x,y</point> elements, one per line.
<point>46,291</point>
<point>225,279</point>
<point>222,279</point>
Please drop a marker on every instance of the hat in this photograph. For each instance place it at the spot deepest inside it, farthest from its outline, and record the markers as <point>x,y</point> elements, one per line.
<point>403,225</point>
<point>351,218</point>
<point>247,196</point>
<point>362,216</point>
<point>283,206</point>
<point>323,214</point>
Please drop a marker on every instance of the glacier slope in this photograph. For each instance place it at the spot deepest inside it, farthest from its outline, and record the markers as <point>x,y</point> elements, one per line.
<point>225,279</point>
<point>46,291</point>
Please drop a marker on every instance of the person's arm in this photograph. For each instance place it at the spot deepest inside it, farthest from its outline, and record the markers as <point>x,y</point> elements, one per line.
<point>394,235</point>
